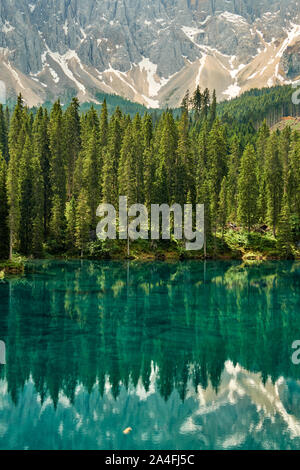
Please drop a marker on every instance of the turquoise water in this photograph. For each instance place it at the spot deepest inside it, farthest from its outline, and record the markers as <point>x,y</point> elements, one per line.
<point>189,355</point>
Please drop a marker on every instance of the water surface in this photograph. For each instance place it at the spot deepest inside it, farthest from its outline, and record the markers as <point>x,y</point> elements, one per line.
<point>189,355</point>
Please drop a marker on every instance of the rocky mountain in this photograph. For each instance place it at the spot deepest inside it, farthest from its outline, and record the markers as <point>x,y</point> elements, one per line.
<point>147,51</point>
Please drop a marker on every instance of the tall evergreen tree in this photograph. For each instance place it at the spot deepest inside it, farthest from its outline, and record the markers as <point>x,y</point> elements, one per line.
<point>274,181</point>
<point>248,189</point>
<point>127,168</point>
<point>71,223</point>
<point>184,169</point>
<point>3,134</point>
<point>4,211</point>
<point>26,198</point>
<point>167,160</point>
<point>223,206</point>
<point>232,179</point>
<point>205,103</point>
<point>213,109</point>
<point>72,142</point>
<point>197,103</point>
<point>57,175</point>
<point>82,227</point>
<point>38,215</point>
<point>91,172</point>
<point>110,185</point>
<point>16,143</point>
<point>285,234</point>
<point>42,153</point>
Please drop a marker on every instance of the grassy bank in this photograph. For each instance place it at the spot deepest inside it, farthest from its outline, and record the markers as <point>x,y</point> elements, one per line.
<point>15,266</point>
<point>232,245</point>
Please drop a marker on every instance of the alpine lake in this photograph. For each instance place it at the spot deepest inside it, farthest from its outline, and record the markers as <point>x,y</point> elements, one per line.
<point>186,356</point>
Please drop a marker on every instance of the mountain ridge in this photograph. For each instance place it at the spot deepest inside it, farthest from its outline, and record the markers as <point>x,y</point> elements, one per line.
<point>149,54</point>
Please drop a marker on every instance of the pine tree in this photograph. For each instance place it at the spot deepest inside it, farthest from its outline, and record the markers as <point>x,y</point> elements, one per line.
<point>4,211</point>
<point>38,214</point>
<point>167,153</point>
<point>223,206</point>
<point>248,189</point>
<point>293,185</point>
<point>110,185</point>
<point>185,103</point>
<point>26,198</point>
<point>201,160</point>
<point>3,134</point>
<point>205,103</point>
<point>91,176</point>
<point>104,126</point>
<point>16,144</point>
<point>261,145</point>
<point>197,103</point>
<point>42,153</point>
<point>103,139</point>
<point>232,179</point>
<point>274,181</point>
<point>184,170</point>
<point>217,162</point>
<point>285,234</point>
<point>71,223</point>
<point>57,176</point>
<point>82,228</point>
<point>213,109</point>
<point>138,143</point>
<point>127,168</point>
<point>148,160</point>
<point>72,142</point>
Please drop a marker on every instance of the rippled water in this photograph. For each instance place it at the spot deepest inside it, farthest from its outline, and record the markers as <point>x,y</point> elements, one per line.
<point>189,355</point>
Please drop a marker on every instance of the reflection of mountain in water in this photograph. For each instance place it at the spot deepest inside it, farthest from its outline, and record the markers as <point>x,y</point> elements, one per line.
<point>189,357</point>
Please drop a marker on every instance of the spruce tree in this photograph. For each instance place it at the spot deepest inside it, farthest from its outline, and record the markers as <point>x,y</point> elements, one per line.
<point>205,103</point>
<point>184,169</point>
<point>232,179</point>
<point>17,133</point>
<point>91,176</point>
<point>274,181</point>
<point>110,185</point>
<point>26,181</point>
<point>71,223</point>
<point>138,143</point>
<point>38,215</point>
<point>293,185</point>
<point>83,221</point>
<point>217,161</point>
<point>127,168</point>
<point>4,211</point>
<point>72,142</point>
<point>285,233</point>
<point>167,153</point>
<point>197,103</point>
<point>261,146</point>
<point>3,134</point>
<point>57,176</point>
<point>213,109</point>
<point>42,152</point>
<point>223,206</point>
<point>248,189</point>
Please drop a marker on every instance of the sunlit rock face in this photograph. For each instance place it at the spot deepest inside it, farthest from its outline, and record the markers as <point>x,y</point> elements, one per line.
<point>149,52</point>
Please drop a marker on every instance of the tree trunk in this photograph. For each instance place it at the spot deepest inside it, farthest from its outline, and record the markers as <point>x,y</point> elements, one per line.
<point>10,246</point>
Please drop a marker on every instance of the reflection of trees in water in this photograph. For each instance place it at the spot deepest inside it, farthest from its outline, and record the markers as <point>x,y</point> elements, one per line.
<point>70,323</point>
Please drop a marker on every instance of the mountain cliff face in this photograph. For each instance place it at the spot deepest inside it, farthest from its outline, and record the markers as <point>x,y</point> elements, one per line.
<point>147,51</point>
